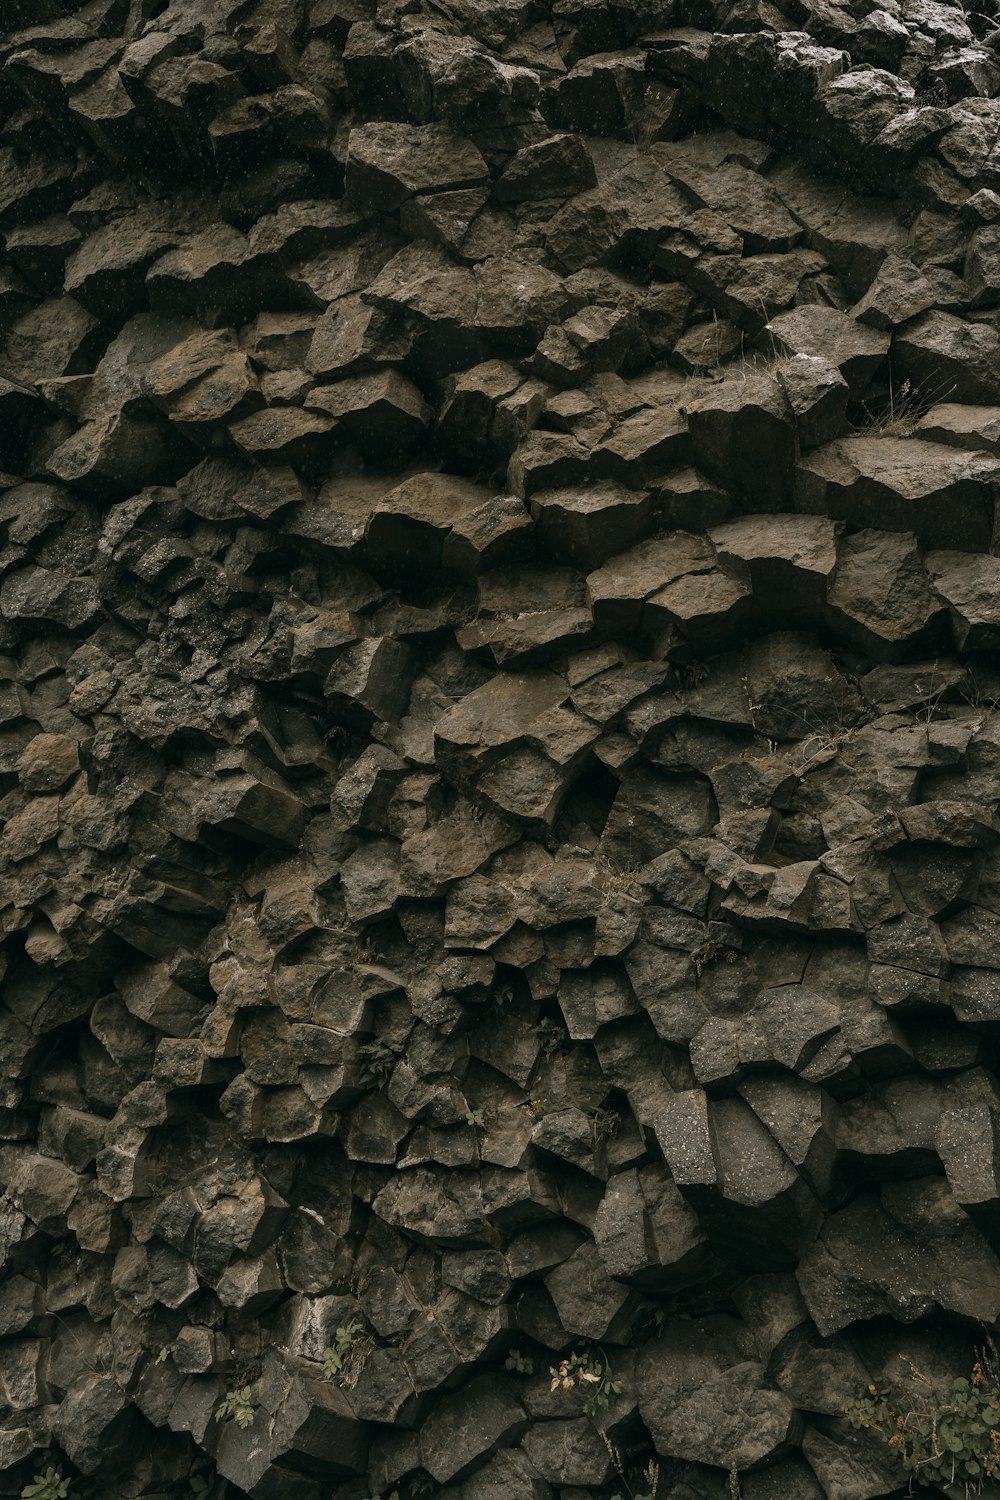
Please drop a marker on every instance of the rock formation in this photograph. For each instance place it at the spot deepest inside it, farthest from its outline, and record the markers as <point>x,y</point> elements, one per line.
<point>500,740</point>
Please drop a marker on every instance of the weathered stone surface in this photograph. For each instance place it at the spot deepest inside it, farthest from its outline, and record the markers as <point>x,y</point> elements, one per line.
<point>854,350</point>
<point>498,726</point>
<point>742,434</point>
<point>787,559</point>
<point>919,1230</point>
<point>902,484</point>
<point>960,426</point>
<point>709,1369</point>
<point>471,1425</point>
<point>882,593</point>
<point>557,167</point>
<point>967,582</point>
<point>388,163</point>
<point>816,393</point>
<point>587,525</point>
<point>948,358</point>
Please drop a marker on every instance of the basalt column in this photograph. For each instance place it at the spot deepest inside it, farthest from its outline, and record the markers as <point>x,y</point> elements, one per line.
<point>499,743</point>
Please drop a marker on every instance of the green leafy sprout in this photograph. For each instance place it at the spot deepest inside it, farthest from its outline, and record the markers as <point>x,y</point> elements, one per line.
<point>236,1406</point>
<point>377,1061</point>
<point>519,1364</point>
<point>349,1342</point>
<point>589,1375</point>
<point>552,1037</point>
<point>48,1484</point>
<point>940,1435</point>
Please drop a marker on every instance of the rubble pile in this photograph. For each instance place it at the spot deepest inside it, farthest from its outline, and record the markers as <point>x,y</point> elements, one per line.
<point>500,741</point>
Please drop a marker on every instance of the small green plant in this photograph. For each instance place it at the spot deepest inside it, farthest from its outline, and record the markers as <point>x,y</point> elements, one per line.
<point>650,1475</point>
<point>590,1377</point>
<point>420,1485</point>
<point>503,992</point>
<point>940,1435</point>
<point>341,1357</point>
<point>48,1484</point>
<point>236,1406</point>
<point>377,1060</point>
<point>518,1363</point>
<point>476,1118</point>
<point>649,1319</point>
<point>606,1124</point>
<point>551,1035</point>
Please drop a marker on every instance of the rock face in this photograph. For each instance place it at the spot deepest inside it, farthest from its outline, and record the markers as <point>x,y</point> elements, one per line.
<point>499,738</point>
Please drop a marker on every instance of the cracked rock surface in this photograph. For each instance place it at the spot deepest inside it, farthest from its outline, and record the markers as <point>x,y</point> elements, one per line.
<point>499,739</point>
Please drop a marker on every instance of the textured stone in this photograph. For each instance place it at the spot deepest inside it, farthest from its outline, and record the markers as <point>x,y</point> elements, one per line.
<point>854,350</point>
<point>938,493</point>
<point>499,739</point>
<point>742,434</point>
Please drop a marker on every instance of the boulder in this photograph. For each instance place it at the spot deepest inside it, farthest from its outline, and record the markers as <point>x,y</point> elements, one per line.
<point>854,350</point>
<point>558,167</point>
<point>817,395</point>
<point>742,434</point>
<point>704,1397</point>
<point>961,426</point>
<point>895,1253</point>
<point>881,595</point>
<point>786,559</point>
<point>389,162</point>
<point>470,1426</point>
<point>901,484</point>
<point>948,359</point>
<point>967,582</point>
<point>587,525</point>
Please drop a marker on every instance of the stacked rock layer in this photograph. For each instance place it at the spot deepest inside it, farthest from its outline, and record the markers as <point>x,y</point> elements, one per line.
<point>500,740</point>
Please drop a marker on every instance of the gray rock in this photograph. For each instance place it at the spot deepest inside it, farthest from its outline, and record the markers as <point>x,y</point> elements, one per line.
<point>469,1426</point>
<point>388,163</point>
<point>704,1398</point>
<point>589,1302</point>
<point>787,558</point>
<point>882,594</point>
<point>569,1452</point>
<point>921,1236</point>
<point>817,394</point>
<point>966,582</point>
<point>557,167</point>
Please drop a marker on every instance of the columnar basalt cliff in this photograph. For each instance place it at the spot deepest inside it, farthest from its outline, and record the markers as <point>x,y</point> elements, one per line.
<point>500,741</point>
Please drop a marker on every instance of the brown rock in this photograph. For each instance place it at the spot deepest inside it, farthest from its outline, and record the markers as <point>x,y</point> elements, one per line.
<point>901,483</point>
